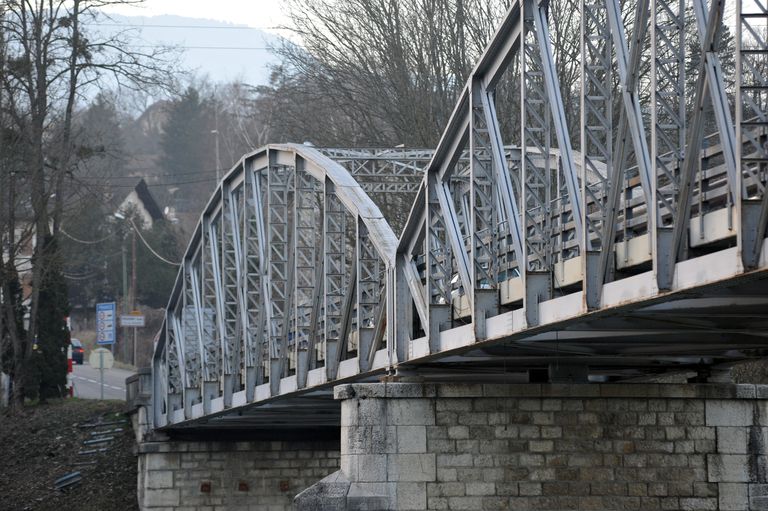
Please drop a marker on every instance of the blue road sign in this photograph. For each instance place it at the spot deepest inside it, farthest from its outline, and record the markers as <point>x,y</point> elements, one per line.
<point>105,323</point>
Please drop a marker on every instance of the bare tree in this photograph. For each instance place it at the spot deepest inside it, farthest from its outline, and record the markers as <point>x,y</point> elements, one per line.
<point>392,68</point>
<point>52,61</point>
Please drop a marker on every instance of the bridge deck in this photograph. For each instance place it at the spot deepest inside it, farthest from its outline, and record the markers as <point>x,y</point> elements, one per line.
<point>640,252</point>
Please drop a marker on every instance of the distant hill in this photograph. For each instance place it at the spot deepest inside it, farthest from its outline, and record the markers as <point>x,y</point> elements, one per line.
<point>223,51</point>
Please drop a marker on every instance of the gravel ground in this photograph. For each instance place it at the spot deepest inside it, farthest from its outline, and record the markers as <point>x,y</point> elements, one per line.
<point>42,444</point>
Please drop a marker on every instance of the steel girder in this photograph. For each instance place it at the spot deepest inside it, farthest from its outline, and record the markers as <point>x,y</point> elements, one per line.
<point>545,218</point>
<point>295,265</point>
<point>286,282</point>
<point>395,170</point>
<point>752,124</point>
<point>709,86</point>
<point>306,226</point>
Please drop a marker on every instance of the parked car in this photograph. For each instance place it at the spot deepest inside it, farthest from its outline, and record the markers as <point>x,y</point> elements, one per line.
<point>77,351</point>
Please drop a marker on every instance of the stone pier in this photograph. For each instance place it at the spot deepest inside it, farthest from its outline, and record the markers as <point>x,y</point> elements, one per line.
<point>410,447</point>
<point>230,475</point>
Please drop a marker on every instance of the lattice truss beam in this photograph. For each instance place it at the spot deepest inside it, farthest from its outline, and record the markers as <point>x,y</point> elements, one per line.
<point>752,123</point>
<point>294,279</point>
<point>396,170</point>
<point>585,199</point>
<point>285,283</point>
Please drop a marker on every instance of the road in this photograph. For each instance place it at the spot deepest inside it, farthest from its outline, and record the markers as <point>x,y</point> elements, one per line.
<point>86,381</point>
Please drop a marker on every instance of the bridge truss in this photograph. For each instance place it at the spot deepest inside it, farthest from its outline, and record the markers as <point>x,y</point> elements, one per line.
<point>628,240</point>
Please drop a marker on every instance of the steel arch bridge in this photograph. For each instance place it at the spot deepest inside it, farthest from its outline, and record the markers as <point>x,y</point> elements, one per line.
<point>627,241</point>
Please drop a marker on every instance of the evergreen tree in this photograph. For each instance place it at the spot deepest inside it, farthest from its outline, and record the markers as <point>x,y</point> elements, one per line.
<point>94,267</point>
<point>186,141</point>
<point>16,300</point>
<point>50,356</point>
<point>187,146</point>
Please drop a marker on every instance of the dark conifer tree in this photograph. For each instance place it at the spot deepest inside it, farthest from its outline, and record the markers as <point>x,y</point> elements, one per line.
<point>50,356</point>
<point>186,140</point>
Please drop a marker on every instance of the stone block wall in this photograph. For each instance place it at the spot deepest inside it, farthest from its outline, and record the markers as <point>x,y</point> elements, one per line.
<point>552,447</point>
<point>232,476</point>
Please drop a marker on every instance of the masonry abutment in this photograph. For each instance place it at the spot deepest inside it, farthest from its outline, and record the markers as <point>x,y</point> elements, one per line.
<point>230,475</point>
<point>413,446</point>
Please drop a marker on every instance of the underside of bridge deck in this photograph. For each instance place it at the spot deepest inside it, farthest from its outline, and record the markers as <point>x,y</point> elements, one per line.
<point>713,325</point>
<point>692,333</point>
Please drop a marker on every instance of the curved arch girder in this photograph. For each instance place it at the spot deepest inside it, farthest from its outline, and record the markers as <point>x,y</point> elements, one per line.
<point>285,285</point>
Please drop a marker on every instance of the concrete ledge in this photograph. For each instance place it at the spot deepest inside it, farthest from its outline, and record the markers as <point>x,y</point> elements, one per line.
<point>392,390</point>
<point>337,493</point>
<point>384,389</point>
<point>272,446</point>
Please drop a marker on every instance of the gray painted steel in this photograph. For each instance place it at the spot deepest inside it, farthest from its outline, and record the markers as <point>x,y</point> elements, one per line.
<point>640,250</point>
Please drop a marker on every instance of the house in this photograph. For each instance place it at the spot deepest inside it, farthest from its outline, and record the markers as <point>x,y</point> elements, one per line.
<point>141,202</point>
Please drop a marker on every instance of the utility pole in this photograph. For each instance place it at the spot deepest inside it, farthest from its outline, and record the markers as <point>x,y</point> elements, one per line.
<point>133,286</point>
<point>125,300</point>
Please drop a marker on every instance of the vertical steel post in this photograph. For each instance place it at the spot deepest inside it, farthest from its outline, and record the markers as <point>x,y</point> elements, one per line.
<point>279,181</point>
<point>597,164</point>
<point>438,259</point>
<point>484,215</point>
<point>335,277</point>
<point>536,268</point>
<point>305,245</point>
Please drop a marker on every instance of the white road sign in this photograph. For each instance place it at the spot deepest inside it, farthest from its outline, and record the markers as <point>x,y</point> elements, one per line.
<point>132,320</point>
<point>101,358</point>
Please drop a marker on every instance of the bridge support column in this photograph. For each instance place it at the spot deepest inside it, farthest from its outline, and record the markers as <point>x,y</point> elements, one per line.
<point>229,387</point>
<point>191,395</point>
<point>411,446</point>
<point>210,392</point>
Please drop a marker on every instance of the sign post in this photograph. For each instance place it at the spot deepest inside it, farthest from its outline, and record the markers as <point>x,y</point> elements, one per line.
<point>133,320</point>
<point>101,359</point>
<point>101,374</point>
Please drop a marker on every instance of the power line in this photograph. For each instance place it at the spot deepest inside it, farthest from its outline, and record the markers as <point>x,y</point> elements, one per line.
<point>146,244</point>
<point>184,47</point>
<point>213,27</point>
<point>164,174</point>
<point>137,231</point>
<point>101,182</point>
<point>84,242</point>
<point>89,276</point>
<point>178,183</point>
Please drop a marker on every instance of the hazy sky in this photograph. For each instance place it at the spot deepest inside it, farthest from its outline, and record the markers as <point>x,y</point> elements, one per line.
<point>221,54</point>
<point>254,13</point>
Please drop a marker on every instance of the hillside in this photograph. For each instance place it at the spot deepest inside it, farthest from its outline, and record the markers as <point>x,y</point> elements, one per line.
<point>222,51</point>
<point>42,445</point>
